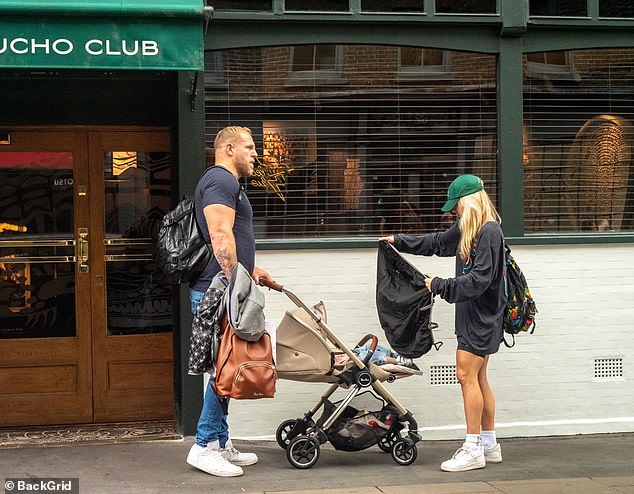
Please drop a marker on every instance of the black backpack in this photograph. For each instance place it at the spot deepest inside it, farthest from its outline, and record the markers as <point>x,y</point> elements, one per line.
<point>181,251</point>
<point>520,306</point>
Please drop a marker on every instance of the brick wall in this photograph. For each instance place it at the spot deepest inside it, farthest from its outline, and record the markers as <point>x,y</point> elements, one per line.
<point>546,385</point>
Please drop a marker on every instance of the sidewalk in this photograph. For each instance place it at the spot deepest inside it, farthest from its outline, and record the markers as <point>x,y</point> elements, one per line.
<point>592,464</point>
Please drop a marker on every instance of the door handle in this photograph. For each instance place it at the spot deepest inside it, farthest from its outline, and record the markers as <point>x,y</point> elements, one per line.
<point>82,258</point>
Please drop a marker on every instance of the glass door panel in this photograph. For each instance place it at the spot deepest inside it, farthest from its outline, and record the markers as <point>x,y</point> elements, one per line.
<point>137,195</point>
<point>37,248</point>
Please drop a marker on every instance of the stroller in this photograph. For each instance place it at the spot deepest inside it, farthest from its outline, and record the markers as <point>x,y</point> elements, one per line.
<point>368,415</point>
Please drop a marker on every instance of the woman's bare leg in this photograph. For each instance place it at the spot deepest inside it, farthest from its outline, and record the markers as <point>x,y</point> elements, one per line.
<point>468,367</point>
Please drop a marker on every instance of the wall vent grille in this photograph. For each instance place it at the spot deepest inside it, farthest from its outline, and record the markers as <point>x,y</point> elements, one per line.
<point>608,368</point>
<point>442,375</point>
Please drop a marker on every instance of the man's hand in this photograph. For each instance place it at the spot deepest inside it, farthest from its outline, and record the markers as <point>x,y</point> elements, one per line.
<point>259,273</point>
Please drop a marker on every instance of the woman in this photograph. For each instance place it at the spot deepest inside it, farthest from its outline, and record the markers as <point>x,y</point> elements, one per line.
<point>477,242</point>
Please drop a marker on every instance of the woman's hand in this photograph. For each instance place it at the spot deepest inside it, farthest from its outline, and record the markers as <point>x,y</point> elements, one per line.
<point>389,239</point>
<point>428,279</point>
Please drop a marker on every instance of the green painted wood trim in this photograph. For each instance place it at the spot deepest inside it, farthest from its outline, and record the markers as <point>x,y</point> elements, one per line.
<point>515,17</point>
<point>581,22</point>
<point>579,239</point>
<point>358,17</point>
<point>510,132</point>
<point>231,35</point>
<point>190,149</point>
<point>544,38</point>
<point>367,242</point>
<point>163,8</point>
<point>593,9</point>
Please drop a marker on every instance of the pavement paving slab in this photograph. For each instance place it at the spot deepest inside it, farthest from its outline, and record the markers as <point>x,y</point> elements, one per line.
<point>584,464</point>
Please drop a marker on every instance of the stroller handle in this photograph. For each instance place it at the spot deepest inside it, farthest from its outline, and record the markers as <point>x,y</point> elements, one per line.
<point>269,283</point>
<point>373,345</point>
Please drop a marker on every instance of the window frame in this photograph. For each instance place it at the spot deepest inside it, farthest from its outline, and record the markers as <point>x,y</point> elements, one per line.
<point>538,70</point>
<point>429,72</point>
<point>328,76</point>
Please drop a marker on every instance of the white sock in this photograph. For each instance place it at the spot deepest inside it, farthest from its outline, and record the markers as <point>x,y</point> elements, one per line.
<point>215,445</point>
<point>473,441</point>
<point>488,439</point>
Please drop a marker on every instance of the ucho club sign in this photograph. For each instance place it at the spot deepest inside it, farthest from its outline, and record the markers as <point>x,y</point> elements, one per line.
<point>127,43</point>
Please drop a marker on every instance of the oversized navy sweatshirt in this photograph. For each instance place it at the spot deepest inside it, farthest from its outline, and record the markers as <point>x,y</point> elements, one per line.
<point>478,288</point>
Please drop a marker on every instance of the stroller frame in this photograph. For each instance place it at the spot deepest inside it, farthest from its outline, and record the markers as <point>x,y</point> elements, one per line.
<point>302,437</point>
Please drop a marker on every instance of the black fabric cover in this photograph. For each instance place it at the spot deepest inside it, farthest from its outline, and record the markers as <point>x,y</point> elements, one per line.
<point>403,303</point>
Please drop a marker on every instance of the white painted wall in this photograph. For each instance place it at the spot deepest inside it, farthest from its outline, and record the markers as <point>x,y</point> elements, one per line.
<point>543,386</point>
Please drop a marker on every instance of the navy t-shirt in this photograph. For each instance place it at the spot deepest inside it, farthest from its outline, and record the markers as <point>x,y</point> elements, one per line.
<point>218,185</point>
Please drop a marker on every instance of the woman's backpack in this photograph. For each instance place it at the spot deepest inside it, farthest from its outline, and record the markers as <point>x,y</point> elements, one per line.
<point>520,306</point>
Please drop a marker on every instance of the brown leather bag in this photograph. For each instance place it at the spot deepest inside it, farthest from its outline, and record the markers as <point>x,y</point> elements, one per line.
<point>244,369</point>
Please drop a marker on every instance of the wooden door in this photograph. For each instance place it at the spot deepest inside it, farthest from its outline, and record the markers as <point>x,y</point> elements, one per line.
<point>85,318</point>
<point>132,315</point>
<point>45,347</point>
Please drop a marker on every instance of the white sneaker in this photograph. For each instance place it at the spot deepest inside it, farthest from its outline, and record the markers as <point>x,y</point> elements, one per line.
<point>234,456</point>
<point>494,454</point>
<point>465,459</point>
<point>212,462</point>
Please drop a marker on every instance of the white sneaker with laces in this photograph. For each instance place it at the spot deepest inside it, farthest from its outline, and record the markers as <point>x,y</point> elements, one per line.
<point>212,462</point>
<point>465,458</point>
<point>494,454</point>
<point>232,455</point>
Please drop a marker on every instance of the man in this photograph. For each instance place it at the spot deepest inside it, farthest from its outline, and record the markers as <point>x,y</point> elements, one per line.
<point>225,217</point>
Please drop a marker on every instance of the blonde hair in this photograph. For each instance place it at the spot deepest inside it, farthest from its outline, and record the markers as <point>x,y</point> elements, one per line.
<point>477,209</point>
<point>229,134</point>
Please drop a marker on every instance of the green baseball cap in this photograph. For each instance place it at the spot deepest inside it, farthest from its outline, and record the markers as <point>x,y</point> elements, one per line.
<point>460,187</point>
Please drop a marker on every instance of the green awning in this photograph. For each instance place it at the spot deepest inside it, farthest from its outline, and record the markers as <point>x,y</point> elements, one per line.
<point>102,34</point>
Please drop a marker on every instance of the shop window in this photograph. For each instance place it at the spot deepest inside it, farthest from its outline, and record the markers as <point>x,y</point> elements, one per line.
<point>560,8</point>
<point>616,8</point>
<point>427,62</point>
<point>367,156</point>
<point>579,175</point>
<point>243,5</point>
<point>315,64</point>
<point>466,6</point>
<point>316,5</point>
<point>550,65</point>
<point>416,6</point>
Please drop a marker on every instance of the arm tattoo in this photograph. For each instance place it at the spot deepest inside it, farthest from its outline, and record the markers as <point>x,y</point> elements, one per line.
<point>226,261</point>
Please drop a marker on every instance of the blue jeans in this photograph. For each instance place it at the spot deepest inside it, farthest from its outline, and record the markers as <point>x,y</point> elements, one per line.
<point>380,355</point>
<point>212,424</point>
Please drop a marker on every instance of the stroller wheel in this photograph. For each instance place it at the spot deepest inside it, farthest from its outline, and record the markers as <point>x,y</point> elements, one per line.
<point>283,431</point>
<point>303,452</point>
<point>404,451</point>
<point>387,442</point>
